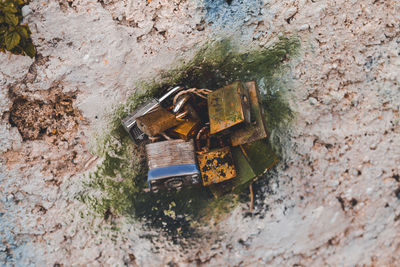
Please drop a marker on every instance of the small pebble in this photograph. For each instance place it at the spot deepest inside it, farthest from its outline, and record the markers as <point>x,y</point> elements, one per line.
<point>303,27</point>
<point>10,197</point>
<point>312,101</point>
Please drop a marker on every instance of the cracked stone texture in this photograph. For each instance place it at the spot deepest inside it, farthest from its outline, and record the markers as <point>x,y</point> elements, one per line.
<point>335,199</point>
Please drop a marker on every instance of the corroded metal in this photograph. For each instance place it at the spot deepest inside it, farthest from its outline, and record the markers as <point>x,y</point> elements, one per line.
<point>185,130</point>
<point>252,160</point>
<point>216,166</point>
<point>228,106</point>
<point>203,139</point>
<point>181,103</point>
<point>157,121</point>
<point>256,130</point>
<point>183,107</point>
<point>259,158</point>
<point>230,134</point>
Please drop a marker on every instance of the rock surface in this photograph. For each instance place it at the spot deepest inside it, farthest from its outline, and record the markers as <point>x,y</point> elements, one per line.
<point>336,199</point>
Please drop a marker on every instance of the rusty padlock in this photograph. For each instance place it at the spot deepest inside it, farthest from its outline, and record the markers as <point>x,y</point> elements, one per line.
<point>215,165</point>
<point>255,130</point>
<point>157,121</point>
<point>228,106</point>
<point>186,130</point>
<point>130,124</point>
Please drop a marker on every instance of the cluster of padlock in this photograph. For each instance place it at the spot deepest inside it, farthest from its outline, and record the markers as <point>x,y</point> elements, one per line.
<point>193,132</point>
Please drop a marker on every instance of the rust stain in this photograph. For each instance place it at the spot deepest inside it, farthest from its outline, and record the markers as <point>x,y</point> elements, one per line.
<point>228,106</point>
<point>255,130</point>
<point>216,166</point>
<point>186,130</point>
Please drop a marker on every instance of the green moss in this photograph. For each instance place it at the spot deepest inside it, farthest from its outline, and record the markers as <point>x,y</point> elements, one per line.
<point>116,186</point>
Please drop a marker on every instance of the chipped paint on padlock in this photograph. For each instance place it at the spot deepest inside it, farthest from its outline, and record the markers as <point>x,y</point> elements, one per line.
<point>255,130</point>
<point>216,166</point>
<point>228,106</point>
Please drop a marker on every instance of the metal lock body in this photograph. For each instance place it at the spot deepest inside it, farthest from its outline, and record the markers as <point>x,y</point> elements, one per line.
<point>216,165</point>
<point>228,106</point>
<point>130,124</point>
<point>185,130</point>
<point>172,164</point>
<point>258,159</point>
<point>157,121</point>
<point>256,130</point>
<point>252,160</point>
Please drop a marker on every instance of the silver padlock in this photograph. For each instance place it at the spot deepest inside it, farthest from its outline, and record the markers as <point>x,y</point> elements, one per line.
<point>130,124</point>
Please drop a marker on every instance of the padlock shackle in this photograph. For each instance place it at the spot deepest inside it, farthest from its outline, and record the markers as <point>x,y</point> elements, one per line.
<point>169,93</point>
<point>204,130</point>
<point>181,103</point>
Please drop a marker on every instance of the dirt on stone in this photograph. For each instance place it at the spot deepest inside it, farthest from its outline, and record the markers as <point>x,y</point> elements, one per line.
<point>50,118</point>
<point>36,118</point>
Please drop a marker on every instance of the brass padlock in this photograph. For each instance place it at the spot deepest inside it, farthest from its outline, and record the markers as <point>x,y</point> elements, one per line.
<point>157,121</point>
<point>130,123</point>
<point>228,106</point>
<point>255,130</point>
<point>185,130</point>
